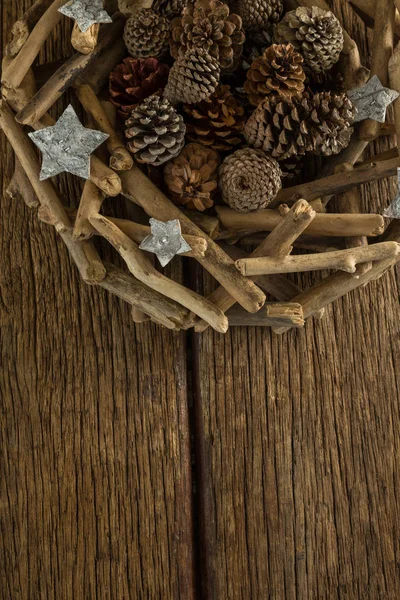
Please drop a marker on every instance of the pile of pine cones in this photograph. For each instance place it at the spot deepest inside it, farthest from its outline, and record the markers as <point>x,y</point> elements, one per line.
<point>225,96</point>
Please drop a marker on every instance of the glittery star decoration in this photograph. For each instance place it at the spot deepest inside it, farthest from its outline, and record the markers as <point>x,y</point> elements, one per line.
<point>165,240</point>
<point>393,211</point>
<point>67,146</point>
<point>86,13</point>
<point>371,100</point>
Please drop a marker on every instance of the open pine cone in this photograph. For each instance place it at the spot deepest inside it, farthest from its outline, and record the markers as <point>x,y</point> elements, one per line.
<point>147,34</point>
<point>278,71</point>
<point>249,180</point>
<point>217,122</point>
<point>191,177</point>
<point>133,80</point>
<point>208,24</point>
<point>170,8</point>
<point>193,77</point>
<point>315,33</point>
<point>155,131</point>
<point>258,15</point>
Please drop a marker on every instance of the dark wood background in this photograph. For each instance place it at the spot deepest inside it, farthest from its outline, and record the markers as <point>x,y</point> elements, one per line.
<point>142,464</point>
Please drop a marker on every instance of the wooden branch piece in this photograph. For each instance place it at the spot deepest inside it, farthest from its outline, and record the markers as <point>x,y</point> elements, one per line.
<point>22,28</point>
<point>138,316</point>
<point>272,315</point>
<point>91,200</point>
<point>86,258</point>
<point>85,41</point>
<point>394,78</point>
<point>20,187</point>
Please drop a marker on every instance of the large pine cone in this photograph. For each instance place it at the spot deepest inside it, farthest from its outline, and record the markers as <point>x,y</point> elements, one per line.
<point>278,71</point>
<point>208,24</point>
<point>170,8</point>
<point>319,123</point>
<point>191,177</point>
<point>258,15</point>
<point>146,34</point>
<point>155,131</point>
<point>249,180</point>
<point>217,122</point>
<point>315,33</point>
<point>133,80</point>
<point>193,77</point>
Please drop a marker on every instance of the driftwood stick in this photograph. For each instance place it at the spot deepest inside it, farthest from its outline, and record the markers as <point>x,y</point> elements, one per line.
<point>98,74</point>
<point>394,78</point>
<point>272,315</point>
<point>65,76</point>
<point>305,242</point>
<point>342,260</point>
<point>121,159</point>
<point>366,11</point>
<point>91,200</point>
<point>20,187</point>
<point>386,155</point>
<point>350,155</point>
<point>207,223</point>
<point>143,270</point>
<point>338,225</point>
<point>138,188</point>
<point>22,28</point>
<point>138,316</point>
<point>15,72</point>
<point>86,258</point>
<point>85,41</point>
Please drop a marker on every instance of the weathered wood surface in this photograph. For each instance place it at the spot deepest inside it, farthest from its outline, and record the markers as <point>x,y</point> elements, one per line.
<point>296,436</point>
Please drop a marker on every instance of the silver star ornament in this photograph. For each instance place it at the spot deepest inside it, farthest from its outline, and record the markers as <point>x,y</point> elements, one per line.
<point>372,100</point>
<point>67,146</point>
<point>393,211</point>
<point>86,13</point>
<point>165,240</point>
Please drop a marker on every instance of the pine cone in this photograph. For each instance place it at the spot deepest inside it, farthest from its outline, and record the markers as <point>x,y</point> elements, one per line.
<point>128,7</point>
<point>156,132</point>
<point>315,33</point>
<point>249,180</point>
<point>193,77</point>
<point>146,34</point>
<point>319,123</point>
<point>208,24</point>
<point>133,80</point>
<point>258,15</point>
<point>191,177</point>
<point>170,8</point>
<point>217,122</point>
<point>278,71</point>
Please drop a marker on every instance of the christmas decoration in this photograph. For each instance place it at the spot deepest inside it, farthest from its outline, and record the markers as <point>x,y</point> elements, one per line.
<point>86,13</point>
<point>314,33</point>
<point>393,211</point>
<point>278,71</point>
<point>191,178</point>
<point>146,34</point>
<point>67,146</point>
<point>193,77</point>
<point>372,100</point>
<point>258,15</point>
<point>133,80</point>
<point>249,180</point>
<point>217,122</point>
<point>170,8</point>
<point>165,241</point>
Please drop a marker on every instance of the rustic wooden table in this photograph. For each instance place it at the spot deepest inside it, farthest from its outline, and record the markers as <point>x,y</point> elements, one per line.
<point>142,464</point>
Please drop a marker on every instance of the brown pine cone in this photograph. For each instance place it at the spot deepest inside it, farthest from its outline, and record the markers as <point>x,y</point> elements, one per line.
<point>191,177</point>
<point>217,122</point>
<point>146,34</point>
<point>258,15</point>
<point>278,71</point>
<point>135,79</point>
<point>249,180</point>
<point>193,77</point>
<point>170,8</point>
<point>319,123</point>
<point>155,131</point>
<point>208,24</point>
<point>315,33</point>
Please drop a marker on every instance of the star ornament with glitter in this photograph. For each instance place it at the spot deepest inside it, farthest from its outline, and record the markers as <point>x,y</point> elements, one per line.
<point>86,13</point>
<point>372,100</point>
<point>67,146</point>
<point>393,211</point>
<point>165,241</point>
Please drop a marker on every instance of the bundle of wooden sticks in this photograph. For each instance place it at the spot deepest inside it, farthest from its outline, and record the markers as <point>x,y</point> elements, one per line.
<point>343,242</point>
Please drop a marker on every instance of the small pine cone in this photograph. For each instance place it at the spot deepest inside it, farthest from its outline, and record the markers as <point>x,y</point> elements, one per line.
<point>191,177</point>
<point>258,15</point>
<point>208,24</point>
<point>193,77</point>
<point>278,71</point>
<point>315,33</point>
<point>217,122</point>
<point>135,79</point>
<point>155,131</point>
<point>249,180</point>
<point>128,7</point>
<point>146,34</point>
<point>170,8</point>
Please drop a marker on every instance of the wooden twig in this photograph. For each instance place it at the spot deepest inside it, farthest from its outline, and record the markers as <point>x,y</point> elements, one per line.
<point>98,74</point>
<point>65,76</point>
<point>91,200</point>
<point>139,189</point>
<point>366,11</point>
<point>338,225</point>
<point>207,223</point>
<point>121,159</point>
<point>386,155</point>
<point>85,41</point>
<point>143,270</point>
<point>138,316</point>
<point>342,260</point>
<point>86,258</point>
<point>22,28</point>
<point>304,242</point>
<point>394,78</point>
<point>20,187</point>
<point>350,155</point>
<point>272,315</point>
